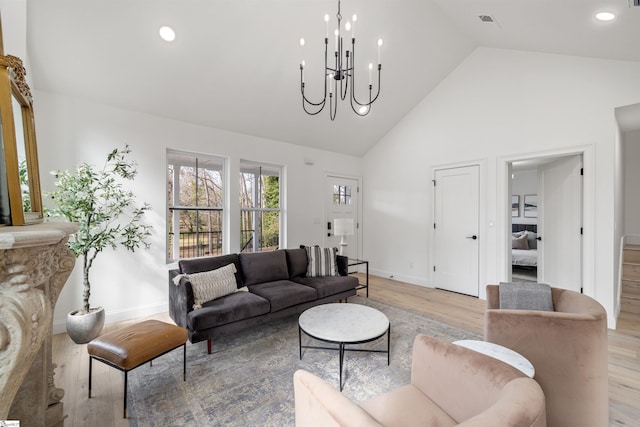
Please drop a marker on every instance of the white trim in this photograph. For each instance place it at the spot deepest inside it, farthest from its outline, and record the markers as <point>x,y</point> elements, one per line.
<point>504,210</point>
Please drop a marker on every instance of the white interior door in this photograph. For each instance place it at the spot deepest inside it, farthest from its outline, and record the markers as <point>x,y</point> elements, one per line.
<point>560,223</point>
<point>456,255</point>
<point>342,197</point>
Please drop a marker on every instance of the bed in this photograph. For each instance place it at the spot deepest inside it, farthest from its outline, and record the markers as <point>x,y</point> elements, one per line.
<point>524,247</point>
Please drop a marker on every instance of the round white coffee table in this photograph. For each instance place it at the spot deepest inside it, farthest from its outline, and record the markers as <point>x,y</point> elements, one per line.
<point>499,352</point>
<point>344,324</point>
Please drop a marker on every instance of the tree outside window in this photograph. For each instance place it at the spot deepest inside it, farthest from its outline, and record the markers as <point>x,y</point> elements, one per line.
<point>259,207</point>
<point>195,192</point>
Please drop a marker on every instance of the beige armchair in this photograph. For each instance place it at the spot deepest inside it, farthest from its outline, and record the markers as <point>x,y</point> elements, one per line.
<point>568,349</point>
<point>450,386</point>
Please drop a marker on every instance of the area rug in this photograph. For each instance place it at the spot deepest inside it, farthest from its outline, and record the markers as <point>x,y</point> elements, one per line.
<point>248,378</point>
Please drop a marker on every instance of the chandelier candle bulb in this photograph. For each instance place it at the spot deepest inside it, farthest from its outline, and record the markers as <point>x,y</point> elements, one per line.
<point>354,18</point>
<point>326,19</point>
<point>379,51</point>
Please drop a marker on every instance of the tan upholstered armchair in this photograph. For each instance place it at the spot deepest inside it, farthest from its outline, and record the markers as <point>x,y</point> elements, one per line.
<point>450,386</point>
<point>568,349</point>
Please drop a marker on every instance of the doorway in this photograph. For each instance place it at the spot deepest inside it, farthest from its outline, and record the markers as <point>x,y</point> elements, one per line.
<point>547,221</point>
<point>342,200</point>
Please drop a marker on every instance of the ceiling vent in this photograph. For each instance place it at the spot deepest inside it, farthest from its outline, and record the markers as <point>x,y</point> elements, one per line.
<point>488,18</point>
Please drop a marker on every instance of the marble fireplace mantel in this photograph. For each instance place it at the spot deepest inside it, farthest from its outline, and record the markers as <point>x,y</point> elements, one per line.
<point>35,263</point>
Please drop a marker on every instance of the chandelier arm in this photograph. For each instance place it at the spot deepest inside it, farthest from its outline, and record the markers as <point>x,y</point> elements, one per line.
<point>353,99</point>
<point>311,113</point>
<point>371,101</point>
<point>345,73</point>
<point>333,109</point>
<point>306,100</point>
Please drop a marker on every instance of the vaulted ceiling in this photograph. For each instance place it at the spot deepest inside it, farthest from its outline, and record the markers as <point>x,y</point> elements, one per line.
<point>235,63</point>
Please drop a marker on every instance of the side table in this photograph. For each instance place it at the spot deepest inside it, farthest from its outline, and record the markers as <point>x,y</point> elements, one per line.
<point>499,352</point>
<point>352,262</point>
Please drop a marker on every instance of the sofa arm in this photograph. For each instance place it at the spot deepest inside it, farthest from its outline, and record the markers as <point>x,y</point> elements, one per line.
<point>523,393</point>
<point>180,299</point>
<point>462,382</point>
<point>319,404</point>
<point>342,262</point>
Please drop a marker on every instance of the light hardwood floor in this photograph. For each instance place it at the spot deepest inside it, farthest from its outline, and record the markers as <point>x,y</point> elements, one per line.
<point>105,407</point>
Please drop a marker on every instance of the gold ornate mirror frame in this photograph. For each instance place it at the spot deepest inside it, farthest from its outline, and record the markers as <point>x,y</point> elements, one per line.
<point>20,196</point>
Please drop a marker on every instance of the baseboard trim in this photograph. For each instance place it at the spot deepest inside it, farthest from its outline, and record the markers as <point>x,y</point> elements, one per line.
<point>414,280</point>
<point>59,325</point>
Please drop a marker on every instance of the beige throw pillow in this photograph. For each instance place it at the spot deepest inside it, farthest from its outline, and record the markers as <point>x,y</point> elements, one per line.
<point>213,284</point>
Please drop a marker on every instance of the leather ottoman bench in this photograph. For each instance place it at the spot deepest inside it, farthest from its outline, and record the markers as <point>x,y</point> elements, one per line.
<point>135,345</point>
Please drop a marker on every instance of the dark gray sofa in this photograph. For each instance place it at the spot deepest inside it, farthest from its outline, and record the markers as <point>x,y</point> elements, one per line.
<point>277,284</point>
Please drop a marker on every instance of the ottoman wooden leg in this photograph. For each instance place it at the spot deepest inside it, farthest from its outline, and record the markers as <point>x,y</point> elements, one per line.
<point>90,360</point>
<point>124,412</point>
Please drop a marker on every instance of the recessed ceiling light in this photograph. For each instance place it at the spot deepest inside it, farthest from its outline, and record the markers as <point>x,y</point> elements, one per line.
<point>605,16</point>
<point>167,34</point>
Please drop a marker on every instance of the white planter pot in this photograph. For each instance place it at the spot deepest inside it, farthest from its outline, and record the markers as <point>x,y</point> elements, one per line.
<point>82,328</point>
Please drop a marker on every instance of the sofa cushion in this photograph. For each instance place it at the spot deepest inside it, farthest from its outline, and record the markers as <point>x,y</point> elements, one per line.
<point>321,261</point>
<point>198,265</point>
<point>212,284</point>
<point>284,293</point>
<point>260,267</point>
<point>228,309</point>
<point>296,262</point>
<point>328,285</point>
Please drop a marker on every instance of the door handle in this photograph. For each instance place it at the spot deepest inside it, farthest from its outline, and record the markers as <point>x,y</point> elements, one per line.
<point>539,238</point>
<point>474,237</point>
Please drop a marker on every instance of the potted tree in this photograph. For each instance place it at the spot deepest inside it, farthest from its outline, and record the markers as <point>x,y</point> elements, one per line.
<point>107,217</point>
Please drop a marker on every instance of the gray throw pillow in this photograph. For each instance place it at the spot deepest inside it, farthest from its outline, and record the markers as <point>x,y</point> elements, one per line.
<point>520,242</point>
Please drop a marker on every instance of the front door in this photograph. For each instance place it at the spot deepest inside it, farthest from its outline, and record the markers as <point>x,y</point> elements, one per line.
<point>456,237</point>
<point>341,203</point>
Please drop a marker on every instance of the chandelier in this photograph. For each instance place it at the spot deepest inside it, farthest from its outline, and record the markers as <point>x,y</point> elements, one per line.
<point>339,78</point>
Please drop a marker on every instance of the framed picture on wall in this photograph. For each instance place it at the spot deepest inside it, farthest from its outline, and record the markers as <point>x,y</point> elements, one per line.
<point>531,206</point>
<point>515,205</point>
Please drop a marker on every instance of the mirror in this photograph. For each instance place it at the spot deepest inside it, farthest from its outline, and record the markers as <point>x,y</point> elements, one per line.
<point>20,199</point>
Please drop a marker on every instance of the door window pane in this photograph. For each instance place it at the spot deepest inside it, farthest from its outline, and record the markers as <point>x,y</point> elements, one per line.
<point>341,194</point>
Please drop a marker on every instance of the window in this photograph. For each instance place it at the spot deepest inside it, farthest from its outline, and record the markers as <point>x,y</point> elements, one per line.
<point>341,194</point>
<point>195,205</point>
<point>259,207</point>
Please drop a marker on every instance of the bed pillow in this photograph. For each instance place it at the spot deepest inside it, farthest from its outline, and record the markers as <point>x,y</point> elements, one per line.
<point>321,261</point>
<point>531,237</point>
<point>213,284</point>
<point>520,242</point>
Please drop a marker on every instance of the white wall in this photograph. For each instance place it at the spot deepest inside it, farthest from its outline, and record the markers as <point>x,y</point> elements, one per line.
<point>632,178</point>
<point>130,285</point>
<point>497,104</point>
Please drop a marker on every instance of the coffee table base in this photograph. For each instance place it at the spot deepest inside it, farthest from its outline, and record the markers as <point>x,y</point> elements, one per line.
<point>341,347</point>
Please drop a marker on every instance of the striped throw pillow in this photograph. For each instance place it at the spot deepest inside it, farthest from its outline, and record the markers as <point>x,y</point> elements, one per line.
<point>213,284</point>
<point>321,261</point>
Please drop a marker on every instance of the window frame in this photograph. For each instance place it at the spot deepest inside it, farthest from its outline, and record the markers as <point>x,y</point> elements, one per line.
<point>173,209</point>
<point>245,167</point>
